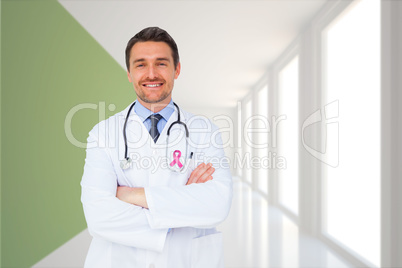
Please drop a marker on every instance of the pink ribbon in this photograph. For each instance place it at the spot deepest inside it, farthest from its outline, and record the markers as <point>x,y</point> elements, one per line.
<point>176,159</point>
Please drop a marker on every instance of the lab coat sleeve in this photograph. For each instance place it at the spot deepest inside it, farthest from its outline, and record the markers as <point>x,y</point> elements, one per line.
<point>200,205</point>
<point>108,217</point>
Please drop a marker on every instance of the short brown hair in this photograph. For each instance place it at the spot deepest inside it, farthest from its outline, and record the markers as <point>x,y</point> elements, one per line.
<point>154,34</point>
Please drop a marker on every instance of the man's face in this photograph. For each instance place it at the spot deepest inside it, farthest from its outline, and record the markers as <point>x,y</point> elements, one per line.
<point>152,71</point>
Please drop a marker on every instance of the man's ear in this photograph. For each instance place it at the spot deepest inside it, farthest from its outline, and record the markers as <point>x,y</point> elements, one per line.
<point>177,72</point>
<point>129,76</point>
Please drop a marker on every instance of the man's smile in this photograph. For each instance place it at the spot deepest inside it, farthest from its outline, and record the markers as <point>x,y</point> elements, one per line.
<point>152,85</point>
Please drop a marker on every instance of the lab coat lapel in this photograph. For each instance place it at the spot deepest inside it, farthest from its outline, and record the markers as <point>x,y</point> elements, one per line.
<point>138,140</point>
<point>137,135</point>
<point>136,128</point>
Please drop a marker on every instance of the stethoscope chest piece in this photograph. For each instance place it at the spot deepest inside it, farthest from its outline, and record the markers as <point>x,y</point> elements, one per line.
<point>125,163</point>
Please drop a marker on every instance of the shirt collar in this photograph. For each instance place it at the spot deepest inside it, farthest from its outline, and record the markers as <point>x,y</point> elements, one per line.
<point>144,113</point>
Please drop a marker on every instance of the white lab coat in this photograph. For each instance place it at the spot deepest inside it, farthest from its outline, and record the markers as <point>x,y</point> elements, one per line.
<point>126,235</point>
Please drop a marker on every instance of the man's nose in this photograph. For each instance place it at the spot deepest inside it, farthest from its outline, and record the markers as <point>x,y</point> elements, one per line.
<point>152,72</point>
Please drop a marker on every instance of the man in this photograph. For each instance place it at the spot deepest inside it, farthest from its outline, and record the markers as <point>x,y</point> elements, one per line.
<point>163,216</point>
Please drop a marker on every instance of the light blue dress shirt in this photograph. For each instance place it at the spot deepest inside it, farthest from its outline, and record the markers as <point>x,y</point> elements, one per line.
<point>144,113</point>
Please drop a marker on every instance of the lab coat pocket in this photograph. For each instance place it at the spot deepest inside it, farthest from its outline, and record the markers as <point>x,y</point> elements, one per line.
<point>207,251</point>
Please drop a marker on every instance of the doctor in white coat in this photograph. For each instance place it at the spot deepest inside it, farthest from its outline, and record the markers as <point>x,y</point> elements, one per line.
<point>162,208</point>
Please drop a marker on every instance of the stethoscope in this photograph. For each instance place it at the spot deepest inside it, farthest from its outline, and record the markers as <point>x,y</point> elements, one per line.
<point>126,162</point>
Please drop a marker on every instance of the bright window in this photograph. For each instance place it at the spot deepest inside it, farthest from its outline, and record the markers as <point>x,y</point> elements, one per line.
<point>288,133</point>
<point>248,171</point>
<point>352,82</point>
<point>261,138</point>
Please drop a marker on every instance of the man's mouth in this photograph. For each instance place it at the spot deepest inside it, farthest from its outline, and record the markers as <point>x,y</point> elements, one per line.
<point>152,85</point>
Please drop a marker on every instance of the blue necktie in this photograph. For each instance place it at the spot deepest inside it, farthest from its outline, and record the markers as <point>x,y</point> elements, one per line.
<point>154,123</point>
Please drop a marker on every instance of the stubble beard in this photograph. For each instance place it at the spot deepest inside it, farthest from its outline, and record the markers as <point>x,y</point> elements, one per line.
<point>162,98</point>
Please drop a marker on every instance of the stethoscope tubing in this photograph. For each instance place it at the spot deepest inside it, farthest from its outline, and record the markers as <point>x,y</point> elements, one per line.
<point>178,121</point>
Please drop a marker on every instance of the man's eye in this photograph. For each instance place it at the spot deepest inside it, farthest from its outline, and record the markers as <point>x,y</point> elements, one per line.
<point>140,65</point>
<point>162,64</point>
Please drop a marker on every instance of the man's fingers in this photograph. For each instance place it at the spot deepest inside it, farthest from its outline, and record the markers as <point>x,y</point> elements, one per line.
<point>202,170</point>
<point>206,174</point>
<point>193,176</point>
<point>200,173</point>
<point>206,179</point>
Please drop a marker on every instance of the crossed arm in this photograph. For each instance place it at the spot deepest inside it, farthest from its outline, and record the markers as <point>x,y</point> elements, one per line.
<point>136,195</point>
<point>111,215</point>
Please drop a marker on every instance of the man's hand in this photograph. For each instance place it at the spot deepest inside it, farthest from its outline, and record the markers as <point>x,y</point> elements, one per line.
<point>132,195</point>
<point>201,174</point>
<point>136,195</point>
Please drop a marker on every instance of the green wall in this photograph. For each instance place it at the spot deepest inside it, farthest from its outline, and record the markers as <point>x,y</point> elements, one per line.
<point>49,65</point>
